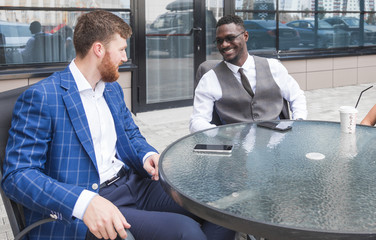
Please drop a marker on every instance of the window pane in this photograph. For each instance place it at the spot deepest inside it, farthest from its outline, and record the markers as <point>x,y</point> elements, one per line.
<point>369,6</point>
<point>214,11</point>
<point>38,36</point>
<point>347,24</point>
<point>257,5</point>
<point>302,5</point>
<point>320,36</point>
<point>339,5</point>
<point>169,51</point>
<point>263,35</point>
<point>68,3</point>
<point>370,29</point>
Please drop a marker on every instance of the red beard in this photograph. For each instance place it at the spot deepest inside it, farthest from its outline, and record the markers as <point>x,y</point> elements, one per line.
<point>109,72</point>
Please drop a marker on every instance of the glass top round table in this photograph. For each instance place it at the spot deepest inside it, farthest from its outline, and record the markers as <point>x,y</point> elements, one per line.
<point>310,182</point>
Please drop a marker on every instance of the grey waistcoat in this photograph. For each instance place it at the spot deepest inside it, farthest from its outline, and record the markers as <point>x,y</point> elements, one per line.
<point>236,105</point>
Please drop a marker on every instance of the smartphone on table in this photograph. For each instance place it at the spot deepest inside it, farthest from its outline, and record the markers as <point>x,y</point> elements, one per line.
<point>213,148</point>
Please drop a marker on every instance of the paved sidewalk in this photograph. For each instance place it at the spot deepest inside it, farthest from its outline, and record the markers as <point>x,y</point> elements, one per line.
<point>163,127</point>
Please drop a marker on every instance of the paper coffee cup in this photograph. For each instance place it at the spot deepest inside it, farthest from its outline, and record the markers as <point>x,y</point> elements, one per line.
<point>348,118</point>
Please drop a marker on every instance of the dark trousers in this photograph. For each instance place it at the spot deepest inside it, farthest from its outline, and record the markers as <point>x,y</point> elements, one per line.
<point>152,214</point>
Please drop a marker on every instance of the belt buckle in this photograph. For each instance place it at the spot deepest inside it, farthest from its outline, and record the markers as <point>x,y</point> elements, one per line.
<point>112,180</point>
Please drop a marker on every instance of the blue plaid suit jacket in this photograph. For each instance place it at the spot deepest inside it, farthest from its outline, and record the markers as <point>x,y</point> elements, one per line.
<point>50,156</point>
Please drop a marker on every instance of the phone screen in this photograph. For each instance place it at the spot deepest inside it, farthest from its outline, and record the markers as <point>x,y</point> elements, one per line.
<point>213,148</point>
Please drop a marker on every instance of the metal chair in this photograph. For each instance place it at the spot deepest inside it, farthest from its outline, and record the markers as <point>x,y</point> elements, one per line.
<point>13,209</point>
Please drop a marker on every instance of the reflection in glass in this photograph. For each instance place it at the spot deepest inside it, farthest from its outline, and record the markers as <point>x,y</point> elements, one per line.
<point>339,5</point>
<point>263,35</point>
<point>257,5</point>
<point>43,46</point>
<point>301,5</point>
<point>325,36</point>
<point>351,25</point>
<point>214,11</point>
<point>47,38</point>
<point>169,50</point>
<point>263,9</point>
<point>68,3</point>
<point>370,28</point>
<point>340,22</point>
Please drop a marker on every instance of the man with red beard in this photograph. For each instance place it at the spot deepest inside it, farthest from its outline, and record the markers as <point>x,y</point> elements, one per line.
<point>75,154</point>
<point>243,87</point>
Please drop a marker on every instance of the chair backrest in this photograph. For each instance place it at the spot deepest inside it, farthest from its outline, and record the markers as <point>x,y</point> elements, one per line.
<point>7,101</point>
<point>201,70</point>
<point>209,64</point>
<point>204,68</point>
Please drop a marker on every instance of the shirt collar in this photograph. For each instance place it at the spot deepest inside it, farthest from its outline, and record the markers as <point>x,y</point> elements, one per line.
<point>81,81</point>
<point>248,64</point>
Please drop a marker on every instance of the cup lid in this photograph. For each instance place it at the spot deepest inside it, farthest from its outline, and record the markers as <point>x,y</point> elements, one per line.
<point>348,109</point>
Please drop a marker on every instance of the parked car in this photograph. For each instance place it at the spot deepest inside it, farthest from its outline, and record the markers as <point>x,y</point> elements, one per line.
<point>306,28</point>
<point>172,32</point>
<point>15,34</point>
<point>262,33</point>
<point>352,26</point>
<point>13,37</point>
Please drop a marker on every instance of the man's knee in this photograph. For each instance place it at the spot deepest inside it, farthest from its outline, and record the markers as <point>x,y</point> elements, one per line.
<point>185,228</point>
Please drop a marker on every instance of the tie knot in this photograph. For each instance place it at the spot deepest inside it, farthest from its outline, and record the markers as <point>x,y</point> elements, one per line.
<point>241,70</point>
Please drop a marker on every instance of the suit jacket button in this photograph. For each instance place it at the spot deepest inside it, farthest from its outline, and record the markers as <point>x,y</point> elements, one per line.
<point>94,186</point>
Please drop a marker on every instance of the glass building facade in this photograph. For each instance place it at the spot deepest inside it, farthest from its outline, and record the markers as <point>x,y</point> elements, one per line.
<point>172,37</point>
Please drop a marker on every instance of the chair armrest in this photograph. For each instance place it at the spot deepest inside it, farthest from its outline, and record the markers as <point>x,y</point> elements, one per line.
<point>22,233</point>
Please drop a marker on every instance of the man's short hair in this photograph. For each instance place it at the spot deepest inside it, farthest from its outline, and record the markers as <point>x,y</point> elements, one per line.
<point>99,25</point>
<point>35,27</point>
<point>228,19</point>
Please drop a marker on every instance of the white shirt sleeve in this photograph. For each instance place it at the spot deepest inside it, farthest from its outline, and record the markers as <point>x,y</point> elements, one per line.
<point>82,203</point>
<point>148,155</point>
<point>290,89</point>
<point>207,92</point>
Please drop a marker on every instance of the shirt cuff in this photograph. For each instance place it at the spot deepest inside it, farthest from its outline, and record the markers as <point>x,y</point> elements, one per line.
<point>82,203</point>
<point>148,155</point>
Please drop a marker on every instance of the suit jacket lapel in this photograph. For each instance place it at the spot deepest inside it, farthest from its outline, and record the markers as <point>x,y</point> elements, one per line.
<point>123,145</point>
<point>76,113</point>
<point>119,126</point>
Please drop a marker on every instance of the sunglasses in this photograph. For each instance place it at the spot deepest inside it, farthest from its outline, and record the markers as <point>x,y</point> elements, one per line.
<point>228,39</point>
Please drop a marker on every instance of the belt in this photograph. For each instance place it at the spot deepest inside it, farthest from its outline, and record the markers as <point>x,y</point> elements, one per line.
<point>122,172</point>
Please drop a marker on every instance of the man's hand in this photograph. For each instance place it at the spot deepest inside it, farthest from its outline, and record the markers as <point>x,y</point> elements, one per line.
<point>104,219</point>
<point>151,166</point>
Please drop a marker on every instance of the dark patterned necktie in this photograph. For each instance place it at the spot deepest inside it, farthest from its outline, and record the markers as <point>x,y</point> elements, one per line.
<point>245,82</point>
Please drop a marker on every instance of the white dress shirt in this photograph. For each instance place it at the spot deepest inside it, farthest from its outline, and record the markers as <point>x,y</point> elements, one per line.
<point>103,133</point>
<point>102,129</point>
<point>209,90</point>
